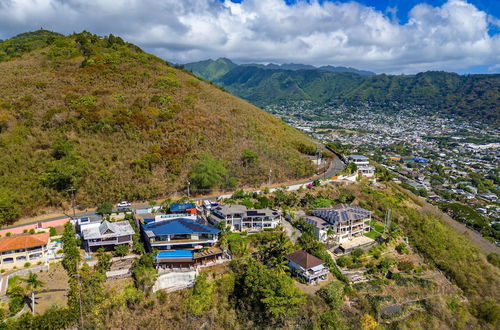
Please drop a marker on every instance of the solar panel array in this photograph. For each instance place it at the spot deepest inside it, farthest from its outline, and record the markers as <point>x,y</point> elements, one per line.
<point>341,213</point>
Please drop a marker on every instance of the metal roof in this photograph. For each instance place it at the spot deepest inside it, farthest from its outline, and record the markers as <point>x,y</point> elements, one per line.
<point>181,207</point>
<point>341,213</point>
<point>107,229</point>
<point>178,226</point>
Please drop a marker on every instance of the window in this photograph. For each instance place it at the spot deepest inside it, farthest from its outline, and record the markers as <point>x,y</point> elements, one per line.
<point>8,260</point>
<point>22,258</point>
<point>35,256</point>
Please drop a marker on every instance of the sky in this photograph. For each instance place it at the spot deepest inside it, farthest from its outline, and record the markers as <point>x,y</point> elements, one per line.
<point>390,36</point>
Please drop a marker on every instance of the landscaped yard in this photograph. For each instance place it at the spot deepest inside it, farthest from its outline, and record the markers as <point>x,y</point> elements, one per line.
<point>372,234</point>
<point>377,225</point>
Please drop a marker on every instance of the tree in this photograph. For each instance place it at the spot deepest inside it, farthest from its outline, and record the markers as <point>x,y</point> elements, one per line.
<point>351,168</point>
<point>249,158</point>
<point>201,296</point>
<point>33,282</point>
<point>207,173</point>
<point>224,229</point>
<point>121,250</point>
<point>144,273</point>
<point>52,231</point>
<point>105,208</point>
<point>71,251</point>
<point>332,294</point>
<point>368,322</point>
<point>103,261</point>
<point>9,210</point>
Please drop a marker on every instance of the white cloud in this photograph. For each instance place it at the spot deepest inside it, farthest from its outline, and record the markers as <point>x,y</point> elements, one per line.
<point>453,36</point>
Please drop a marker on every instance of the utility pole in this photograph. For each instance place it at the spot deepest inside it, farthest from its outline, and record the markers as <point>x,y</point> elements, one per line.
<point>318,159</point>
<point>33,302</point>
<point>270,173</point>
<point>188,184</point>
<point>72,191</point>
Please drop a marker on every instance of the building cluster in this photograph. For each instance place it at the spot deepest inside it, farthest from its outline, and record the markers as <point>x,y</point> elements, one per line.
<point>427,151</point>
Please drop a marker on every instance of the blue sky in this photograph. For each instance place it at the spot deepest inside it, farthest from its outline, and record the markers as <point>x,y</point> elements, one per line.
<point>389,36</point>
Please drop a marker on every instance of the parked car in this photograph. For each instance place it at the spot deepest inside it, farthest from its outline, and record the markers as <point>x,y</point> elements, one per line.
<point>124,204</point>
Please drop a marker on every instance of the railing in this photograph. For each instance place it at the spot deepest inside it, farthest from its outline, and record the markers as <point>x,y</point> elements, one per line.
<point>107,242</point>
<point>310,275</point>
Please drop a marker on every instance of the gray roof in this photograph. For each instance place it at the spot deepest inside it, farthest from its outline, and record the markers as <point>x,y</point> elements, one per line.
<point>227,209</point>
<point>342,213</point>
<point>107,229</point>
<point>317,222</point>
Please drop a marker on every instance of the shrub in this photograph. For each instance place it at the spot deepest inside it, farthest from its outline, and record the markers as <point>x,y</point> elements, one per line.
<point>402,248</point>
<point>105,208</point>
<point>332,294</point>
<point>52,231</point>
<point>27,264</point>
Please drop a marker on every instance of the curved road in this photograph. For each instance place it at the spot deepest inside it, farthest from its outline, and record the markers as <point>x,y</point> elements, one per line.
<point>335,167</point>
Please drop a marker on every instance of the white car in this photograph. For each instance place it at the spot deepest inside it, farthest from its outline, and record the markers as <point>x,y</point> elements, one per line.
<point>124,204</point>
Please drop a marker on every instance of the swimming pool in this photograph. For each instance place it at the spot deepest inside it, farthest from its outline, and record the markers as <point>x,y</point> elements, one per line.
<point>175,254</point>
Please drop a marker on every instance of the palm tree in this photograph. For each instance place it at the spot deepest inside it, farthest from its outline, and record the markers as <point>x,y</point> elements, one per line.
<point>33,281</point>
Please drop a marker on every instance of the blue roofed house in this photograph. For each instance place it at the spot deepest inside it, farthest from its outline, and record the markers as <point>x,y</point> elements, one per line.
<point>189,208</point>
<point>181,242</point>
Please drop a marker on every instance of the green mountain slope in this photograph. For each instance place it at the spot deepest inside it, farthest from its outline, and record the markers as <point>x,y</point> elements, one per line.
<point>211,69</point>
<point>470,96</point>
<point>102,116</point>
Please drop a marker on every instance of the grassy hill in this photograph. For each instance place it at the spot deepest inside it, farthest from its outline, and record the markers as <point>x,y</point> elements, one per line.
<point>470,96</point>
<point>102,116</point>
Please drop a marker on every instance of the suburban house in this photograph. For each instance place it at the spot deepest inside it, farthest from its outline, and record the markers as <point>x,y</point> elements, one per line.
<point>183,208</point>
<point>149,218</point>
<point>348,221</point>
<point>105,233</point>
<point>17,250</point>
<point>320,227</point>
<point>238,217</point>
<point>359,160</point>
<point>181,242</point>
<point>366,170</point>
<point>306,265</point>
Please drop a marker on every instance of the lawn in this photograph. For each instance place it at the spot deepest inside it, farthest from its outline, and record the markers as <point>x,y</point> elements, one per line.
<point>372,234</point>
<point>377,225</point>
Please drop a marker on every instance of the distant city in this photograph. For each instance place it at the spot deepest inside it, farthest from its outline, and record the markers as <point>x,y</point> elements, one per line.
<point>452,162</point>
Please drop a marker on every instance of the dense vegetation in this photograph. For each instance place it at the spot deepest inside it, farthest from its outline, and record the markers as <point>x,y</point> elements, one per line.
<point>472,96</point>
<point>100,115</point>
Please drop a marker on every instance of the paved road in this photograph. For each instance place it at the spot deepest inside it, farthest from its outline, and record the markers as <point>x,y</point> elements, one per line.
<point>335,166</point>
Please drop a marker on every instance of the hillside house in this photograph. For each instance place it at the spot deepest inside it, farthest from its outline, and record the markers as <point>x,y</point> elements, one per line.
<point>347,221</point>
<point>307,266</point>
<point>105,233</point>
<point>359,160</point>
<point>239,218</point>
<point>181,242</point>
<point>17,250</point>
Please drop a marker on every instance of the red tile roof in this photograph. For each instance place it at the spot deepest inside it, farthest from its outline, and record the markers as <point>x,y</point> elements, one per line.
<point>304,259</point>
<point>23,241</point>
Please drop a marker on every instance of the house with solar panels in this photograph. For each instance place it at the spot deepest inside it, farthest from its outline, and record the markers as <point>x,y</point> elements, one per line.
<point>347,221</point>
<point>240,218</point>
<point>181,242</point>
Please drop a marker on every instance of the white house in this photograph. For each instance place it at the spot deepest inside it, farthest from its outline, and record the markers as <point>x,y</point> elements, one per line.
<point>241,218</point>
<point>347,221</point>
<point>309,267</point>
<point>358,159</point>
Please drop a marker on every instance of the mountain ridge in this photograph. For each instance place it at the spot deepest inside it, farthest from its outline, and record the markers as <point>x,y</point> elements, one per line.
<point>102,116</point>
<point>470,96</point>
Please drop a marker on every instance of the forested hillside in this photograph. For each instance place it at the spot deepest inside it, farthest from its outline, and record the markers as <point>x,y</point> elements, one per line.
<point>102,116</point>
<point>469,96</point>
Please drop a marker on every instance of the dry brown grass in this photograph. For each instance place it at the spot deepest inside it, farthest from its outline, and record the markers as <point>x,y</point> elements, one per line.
<point>36,96</point>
